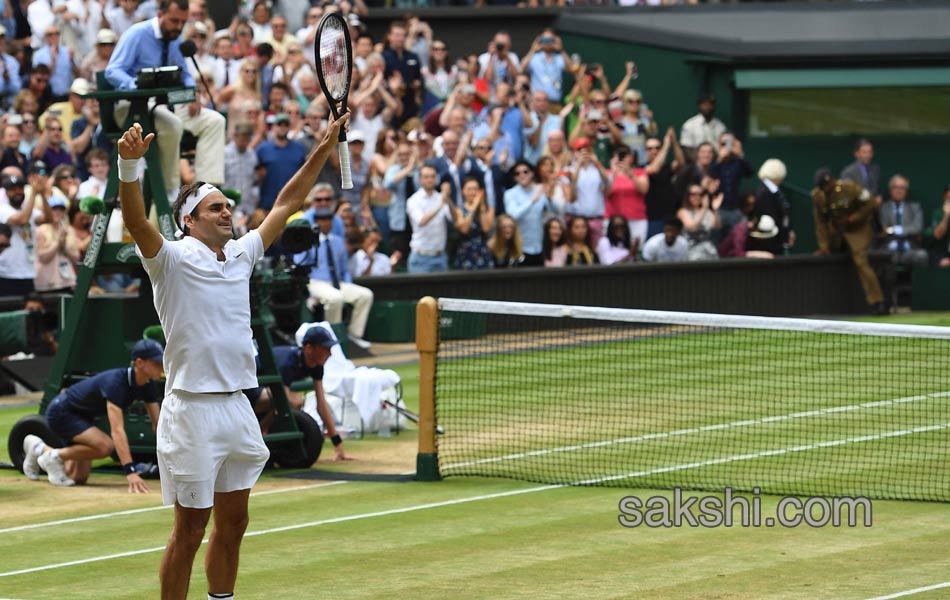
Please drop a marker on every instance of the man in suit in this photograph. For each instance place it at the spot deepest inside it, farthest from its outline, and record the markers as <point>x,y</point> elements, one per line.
<point>479,164</point>
<point>447,165</point>
<point>862,172</point>
<point>902,223</point>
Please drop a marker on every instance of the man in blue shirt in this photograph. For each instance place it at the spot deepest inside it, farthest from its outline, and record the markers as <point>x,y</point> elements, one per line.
<point>299,362</point>
<point>279,158</point>
<point>331,282</point>
<point>10,83</point>
<point>57,58</point>
<point>546,63</point>
<point>526,202</point>
<point>71,413</point>
<point>155,43</point>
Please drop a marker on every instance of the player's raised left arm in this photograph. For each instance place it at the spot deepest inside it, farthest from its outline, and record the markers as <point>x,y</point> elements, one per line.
<point>291,198</point>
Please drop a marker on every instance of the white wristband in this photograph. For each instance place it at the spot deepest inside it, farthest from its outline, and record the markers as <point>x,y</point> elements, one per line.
<point>128,169</point>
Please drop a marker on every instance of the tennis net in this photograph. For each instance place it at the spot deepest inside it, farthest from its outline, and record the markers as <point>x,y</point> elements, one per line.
<point>647,399</point>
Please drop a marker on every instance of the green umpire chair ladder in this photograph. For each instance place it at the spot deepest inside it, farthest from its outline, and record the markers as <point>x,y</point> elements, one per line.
<point>97,332</point>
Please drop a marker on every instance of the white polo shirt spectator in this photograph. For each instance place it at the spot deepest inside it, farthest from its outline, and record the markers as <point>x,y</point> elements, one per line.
<point>428,239</point>
<point>361,265</point>
<point>590,193</point>
<point>427,244</point>
<point>656,249</point>
<point>16,262</point>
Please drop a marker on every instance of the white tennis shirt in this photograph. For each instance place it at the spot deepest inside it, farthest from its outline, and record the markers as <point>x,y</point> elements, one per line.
<point>205,310</point>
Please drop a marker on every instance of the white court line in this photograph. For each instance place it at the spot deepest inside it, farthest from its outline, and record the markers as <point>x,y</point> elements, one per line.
<point>419,507</point>
<point>136,511</point>
<point>919,590</point>
<point>716,427</point>
<point>779,451</point>
<point>381,513</point>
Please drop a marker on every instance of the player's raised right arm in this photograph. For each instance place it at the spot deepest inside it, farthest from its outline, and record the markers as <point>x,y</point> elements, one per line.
<point>132,146</point>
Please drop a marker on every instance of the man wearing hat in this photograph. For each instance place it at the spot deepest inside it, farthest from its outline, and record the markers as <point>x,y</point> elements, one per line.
<point>71,414</point>
<point>22,215</point>
<point>98,57</point>
<point>69,110</point>
<point>10,83</point>
<point>279,158</point>
<point>306,360</point>
<point>209,443</point>
<point>702,127</point>
<point>843,211</point>
<point>331,282</point>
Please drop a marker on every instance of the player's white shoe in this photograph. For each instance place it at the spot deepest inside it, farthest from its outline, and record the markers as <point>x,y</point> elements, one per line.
<point>31,466</point>
<point>55,469</point>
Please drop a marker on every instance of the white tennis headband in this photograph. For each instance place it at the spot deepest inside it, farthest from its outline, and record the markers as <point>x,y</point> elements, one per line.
<point>194,200</point>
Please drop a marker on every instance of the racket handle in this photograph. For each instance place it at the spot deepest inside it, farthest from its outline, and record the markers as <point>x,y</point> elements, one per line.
<point>346,171</point>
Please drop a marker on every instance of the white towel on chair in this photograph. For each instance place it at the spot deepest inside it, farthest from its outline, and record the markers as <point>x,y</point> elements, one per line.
<point>365,385</point>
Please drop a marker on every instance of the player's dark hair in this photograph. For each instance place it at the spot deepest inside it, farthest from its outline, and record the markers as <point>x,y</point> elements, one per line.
<point>6,231</point>
<point>862,142</point>
<point>183,193</point>
<point>673,222</point>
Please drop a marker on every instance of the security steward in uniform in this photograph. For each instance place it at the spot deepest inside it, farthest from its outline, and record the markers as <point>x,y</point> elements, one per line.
<point>843,212</point>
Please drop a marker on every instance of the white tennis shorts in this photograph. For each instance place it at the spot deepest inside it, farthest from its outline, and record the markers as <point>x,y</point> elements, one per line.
<point>207,443</point>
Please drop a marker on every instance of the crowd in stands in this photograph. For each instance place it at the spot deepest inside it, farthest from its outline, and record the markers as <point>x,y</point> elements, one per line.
<point>481,161</point>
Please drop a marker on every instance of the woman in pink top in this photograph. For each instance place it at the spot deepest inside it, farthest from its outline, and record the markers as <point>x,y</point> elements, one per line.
<point>627,195</point>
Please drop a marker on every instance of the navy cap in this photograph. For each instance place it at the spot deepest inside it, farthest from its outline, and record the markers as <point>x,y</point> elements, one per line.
<point>822,177</point>
<point>38,167</point>
<point>148,349</point>
<point>319,336</point>
<point>12,181</point>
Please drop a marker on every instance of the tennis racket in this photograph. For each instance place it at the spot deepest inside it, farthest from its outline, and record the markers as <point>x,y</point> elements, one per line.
<point>334,69</point>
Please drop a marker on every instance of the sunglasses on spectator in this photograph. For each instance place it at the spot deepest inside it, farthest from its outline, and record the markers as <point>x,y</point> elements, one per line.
<point>54,129</point>
<point>244,33</point>
<point>29,121</point>
<point>482,147</point>
<point>439,48</point>
<point>323,199</point>
<point>633,101</point>
<point>652,147</point>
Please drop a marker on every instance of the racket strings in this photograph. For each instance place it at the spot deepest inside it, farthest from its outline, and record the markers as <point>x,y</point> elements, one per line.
<point>334,61</point>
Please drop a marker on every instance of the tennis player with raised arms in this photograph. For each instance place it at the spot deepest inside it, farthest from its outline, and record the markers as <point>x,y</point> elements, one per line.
<point>210,448</point>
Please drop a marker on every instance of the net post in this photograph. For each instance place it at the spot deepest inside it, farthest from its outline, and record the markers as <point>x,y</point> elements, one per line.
<point>427,342</point>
